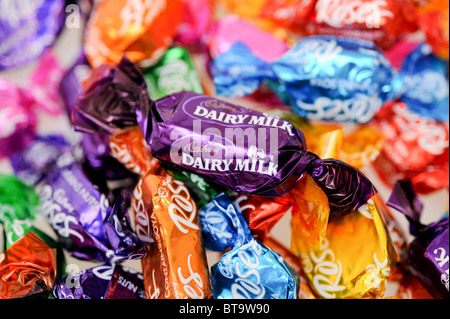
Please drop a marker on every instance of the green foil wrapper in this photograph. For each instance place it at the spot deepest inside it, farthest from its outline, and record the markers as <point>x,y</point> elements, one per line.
<point>174,72</point>
<point>18,200</point>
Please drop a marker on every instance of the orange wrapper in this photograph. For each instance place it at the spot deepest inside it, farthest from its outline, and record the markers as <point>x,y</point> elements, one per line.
<point>141,29</point>
<point>294,262</point>
<point>410,287</point>
<point>434,22</point>
<point>27,267</point>
<point>175,266</point>
<point>355,259</point>
<point>128,146</point>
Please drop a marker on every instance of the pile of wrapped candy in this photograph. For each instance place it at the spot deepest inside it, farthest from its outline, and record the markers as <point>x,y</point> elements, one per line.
<point>196,126</point>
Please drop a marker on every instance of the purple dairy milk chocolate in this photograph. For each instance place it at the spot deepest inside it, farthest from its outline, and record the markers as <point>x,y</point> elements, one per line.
<point>245,150</point>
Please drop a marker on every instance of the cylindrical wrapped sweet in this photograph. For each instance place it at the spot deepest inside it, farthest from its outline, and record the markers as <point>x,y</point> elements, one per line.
<point>27,29</point>
<point>143,30</point>
<point>106,281</point>
<point>322,77</point>
<point>166,221</point>
<point>225,230</point>
<point>175,266</point>
<point>241,149</point>
<point>428,252</point>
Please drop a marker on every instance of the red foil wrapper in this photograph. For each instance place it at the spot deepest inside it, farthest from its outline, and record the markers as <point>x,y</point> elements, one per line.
<point>262,212</point>
<point>434,22</point>
<point>383,22</point>
<point>27,267</point>
<point>175,266</point>
<point>415,147</point>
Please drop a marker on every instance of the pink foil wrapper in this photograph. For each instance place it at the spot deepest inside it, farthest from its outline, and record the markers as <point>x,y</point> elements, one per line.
<point>196,22</point>
<point>17,122</point>
<point>225,32</point>
<point>20,104</point>
<point>399,51</point>
<point>44,83</point>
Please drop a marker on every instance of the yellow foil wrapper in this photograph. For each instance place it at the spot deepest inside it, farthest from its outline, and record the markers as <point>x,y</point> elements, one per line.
<point>355,259</point>
<point>361,147</point>
<point>358,148</point>
<point>310,215</point>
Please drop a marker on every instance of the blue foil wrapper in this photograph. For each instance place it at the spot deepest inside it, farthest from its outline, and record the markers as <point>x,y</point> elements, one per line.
<point>27,28</point>
<point>321,77</point>
<point>249,270</point>
<point>426,82</point>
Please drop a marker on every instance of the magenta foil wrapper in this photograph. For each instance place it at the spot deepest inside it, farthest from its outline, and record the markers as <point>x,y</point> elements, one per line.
<point>428,252</point>
<point>17,121</point>
<point>244,150</point>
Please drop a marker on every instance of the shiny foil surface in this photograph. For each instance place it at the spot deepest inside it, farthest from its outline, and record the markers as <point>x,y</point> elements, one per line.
<point>166,216</point>
<point>343,267</point>
<point>247,268</point>
<point>26,268</point>
<point>326,78</point>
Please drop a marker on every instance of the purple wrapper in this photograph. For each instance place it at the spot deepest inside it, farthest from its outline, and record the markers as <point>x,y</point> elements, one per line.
<point>102,166</point>
<point>81,216</point>
<point>428,252</point>
<point>107,281</point>
<point>244,150</point>
<point>27,28</point>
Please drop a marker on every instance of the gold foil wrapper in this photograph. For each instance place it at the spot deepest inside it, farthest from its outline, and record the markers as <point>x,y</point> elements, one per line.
<point>357,148</point>
<point>355,259</point>
<point>166,218</point>
<point>310,215</point>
